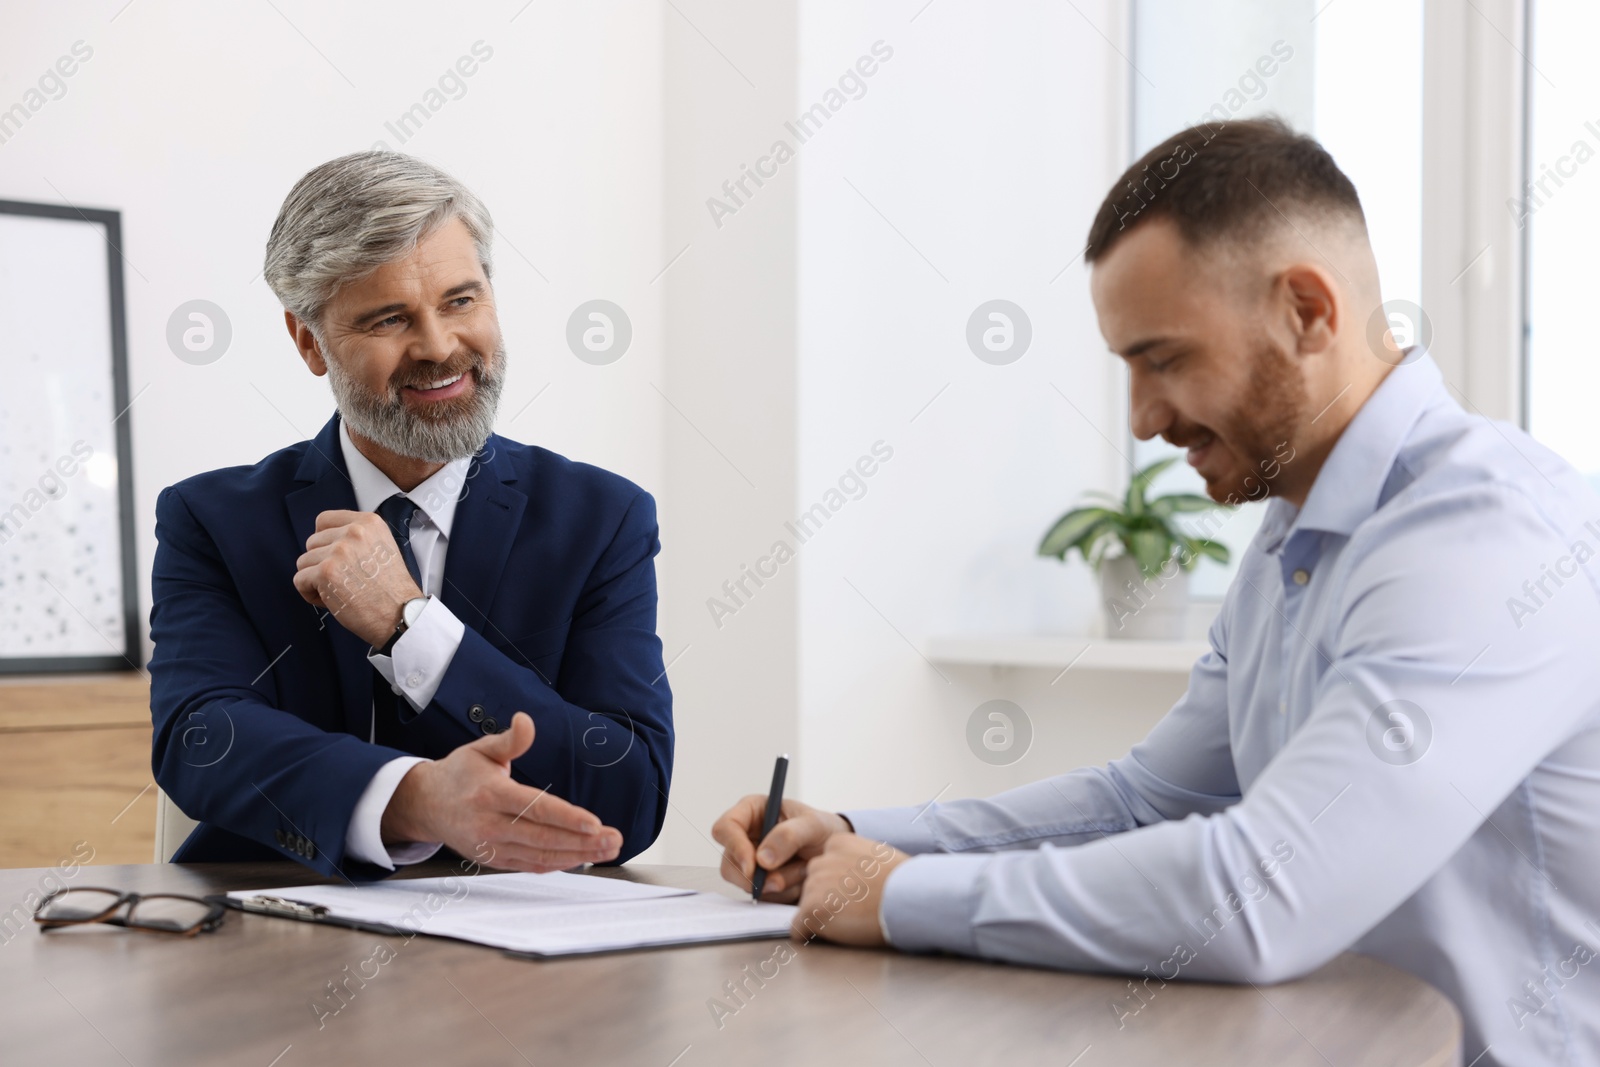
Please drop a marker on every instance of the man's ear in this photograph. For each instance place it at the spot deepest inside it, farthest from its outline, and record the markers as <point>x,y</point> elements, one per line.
<point>306,343</point>
<point>1314,306</point>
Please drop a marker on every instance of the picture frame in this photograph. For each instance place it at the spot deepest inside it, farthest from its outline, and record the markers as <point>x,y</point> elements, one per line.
<point>68,578</point>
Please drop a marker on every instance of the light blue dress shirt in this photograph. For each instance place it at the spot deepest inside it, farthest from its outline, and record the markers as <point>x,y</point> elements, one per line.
<point>1392,746</point>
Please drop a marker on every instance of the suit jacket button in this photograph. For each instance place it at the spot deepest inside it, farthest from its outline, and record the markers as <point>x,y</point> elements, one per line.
<point>490,726</point>
<point>475,713</point>
<point>280,837</point>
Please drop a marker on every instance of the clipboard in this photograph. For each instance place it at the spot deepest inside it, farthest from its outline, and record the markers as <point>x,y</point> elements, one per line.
<point>550,916</point>
<point>285,908</point>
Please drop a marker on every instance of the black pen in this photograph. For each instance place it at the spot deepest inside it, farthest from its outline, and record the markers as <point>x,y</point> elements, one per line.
<point>780,770</point>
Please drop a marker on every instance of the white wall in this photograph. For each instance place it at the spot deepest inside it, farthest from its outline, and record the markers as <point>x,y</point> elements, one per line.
<point>730,445</point>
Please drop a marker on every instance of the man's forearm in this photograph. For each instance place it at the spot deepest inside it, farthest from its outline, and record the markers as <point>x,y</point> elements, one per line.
<point>404,815</point>
<point>1069,809</point>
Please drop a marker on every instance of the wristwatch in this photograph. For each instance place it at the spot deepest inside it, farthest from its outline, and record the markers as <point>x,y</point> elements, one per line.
<point>408,617</point>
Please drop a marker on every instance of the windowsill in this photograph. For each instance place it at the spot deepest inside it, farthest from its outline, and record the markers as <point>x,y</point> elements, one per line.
<point>1060,653</point>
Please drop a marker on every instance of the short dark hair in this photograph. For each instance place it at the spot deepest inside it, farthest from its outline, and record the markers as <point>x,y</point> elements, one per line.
<point>1231,179</point>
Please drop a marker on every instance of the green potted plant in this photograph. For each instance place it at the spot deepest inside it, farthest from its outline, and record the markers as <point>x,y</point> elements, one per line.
<point>1141,554</point>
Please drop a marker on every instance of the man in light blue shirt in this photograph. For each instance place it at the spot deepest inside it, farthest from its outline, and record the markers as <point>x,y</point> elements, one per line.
<point>1393,743</point>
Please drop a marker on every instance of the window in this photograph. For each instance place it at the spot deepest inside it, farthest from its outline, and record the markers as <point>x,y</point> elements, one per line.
<point>1559,214</point>
<point>1322,68</point>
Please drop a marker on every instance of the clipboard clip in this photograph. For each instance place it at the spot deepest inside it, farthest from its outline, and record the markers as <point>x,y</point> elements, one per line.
<point>292,909</point>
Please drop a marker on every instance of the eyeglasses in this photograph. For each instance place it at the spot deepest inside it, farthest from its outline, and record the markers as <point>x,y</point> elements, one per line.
<point>160,913</point>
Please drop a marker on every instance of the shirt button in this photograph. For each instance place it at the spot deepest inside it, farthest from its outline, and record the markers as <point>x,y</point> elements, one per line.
<point>414,680</point>
<point>1301,576</point>
<point>395,689</point>
<point>1283,706</point>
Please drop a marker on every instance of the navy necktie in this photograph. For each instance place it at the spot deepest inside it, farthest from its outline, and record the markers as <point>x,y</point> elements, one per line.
<point>397,512</point>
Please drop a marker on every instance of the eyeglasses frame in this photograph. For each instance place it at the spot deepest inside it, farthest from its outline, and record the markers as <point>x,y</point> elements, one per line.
<point>213,919</point>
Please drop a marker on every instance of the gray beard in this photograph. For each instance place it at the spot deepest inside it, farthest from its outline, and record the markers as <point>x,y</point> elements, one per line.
<point>385,420</point>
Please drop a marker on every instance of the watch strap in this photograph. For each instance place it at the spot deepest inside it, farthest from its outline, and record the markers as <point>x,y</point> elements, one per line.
<point>401,628</point>
<point>388,646</point>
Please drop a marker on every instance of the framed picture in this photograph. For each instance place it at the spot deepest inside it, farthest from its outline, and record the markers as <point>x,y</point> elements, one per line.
<point>68,595</point>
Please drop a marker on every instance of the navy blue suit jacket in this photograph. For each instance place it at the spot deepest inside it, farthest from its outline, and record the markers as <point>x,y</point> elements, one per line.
<point>262,703</point>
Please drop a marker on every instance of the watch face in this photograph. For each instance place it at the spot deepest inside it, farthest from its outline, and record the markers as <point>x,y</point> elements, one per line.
<point>412,609</point>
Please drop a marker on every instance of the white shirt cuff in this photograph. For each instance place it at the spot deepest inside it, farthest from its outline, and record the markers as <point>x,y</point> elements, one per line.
<point>363,839</point>
<point>422,654</point>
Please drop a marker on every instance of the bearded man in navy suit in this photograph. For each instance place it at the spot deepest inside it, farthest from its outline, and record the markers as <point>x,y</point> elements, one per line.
<point>407,632</point>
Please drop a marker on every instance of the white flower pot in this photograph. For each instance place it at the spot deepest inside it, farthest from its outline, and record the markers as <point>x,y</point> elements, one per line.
<point>1140,608</point>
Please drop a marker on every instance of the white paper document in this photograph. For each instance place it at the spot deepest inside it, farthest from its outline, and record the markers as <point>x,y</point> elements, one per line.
<point>556,914</point>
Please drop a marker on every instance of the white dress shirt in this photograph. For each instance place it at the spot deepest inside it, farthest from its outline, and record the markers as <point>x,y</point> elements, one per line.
<point>422,654</point>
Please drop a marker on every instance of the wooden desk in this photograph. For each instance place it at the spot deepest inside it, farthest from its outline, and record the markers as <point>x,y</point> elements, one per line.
<point>243,995</point>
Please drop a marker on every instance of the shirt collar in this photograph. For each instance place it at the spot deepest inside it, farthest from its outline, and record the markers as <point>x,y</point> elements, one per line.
<point>436,497</point>
<point>1349,487</point>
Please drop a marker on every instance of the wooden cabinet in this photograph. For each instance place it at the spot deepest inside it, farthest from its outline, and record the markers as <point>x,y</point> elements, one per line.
<point>75,770</point>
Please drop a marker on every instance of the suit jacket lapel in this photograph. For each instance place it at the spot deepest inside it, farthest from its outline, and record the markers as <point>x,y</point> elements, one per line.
<point>487,518</point>
<point>328,489</point>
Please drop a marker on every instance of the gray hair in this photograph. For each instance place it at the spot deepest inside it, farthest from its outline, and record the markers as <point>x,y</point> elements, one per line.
<point>351,215</point>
